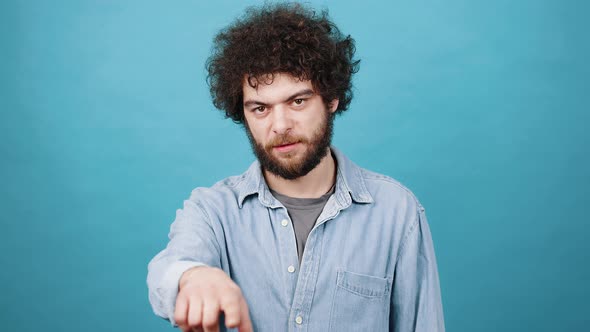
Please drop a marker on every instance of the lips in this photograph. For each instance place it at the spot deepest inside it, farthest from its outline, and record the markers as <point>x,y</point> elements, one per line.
<point>285,147</point>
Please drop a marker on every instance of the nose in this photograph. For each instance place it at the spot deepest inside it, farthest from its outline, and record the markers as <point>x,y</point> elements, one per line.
<point>282,122</point>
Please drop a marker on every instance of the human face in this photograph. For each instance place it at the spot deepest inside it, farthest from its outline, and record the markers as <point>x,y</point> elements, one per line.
<point>288,124</point>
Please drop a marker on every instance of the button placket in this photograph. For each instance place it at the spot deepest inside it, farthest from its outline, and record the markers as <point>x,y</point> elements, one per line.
<point>285,223</point>
<point>298,320</point>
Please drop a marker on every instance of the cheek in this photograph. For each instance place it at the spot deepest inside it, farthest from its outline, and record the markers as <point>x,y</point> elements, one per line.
<point>313,124</point>
<point>257,132</point>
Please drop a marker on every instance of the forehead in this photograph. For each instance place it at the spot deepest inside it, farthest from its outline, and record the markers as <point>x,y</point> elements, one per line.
<point>275,89</point>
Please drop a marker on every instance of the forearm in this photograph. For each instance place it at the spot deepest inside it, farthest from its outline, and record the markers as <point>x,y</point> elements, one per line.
<point>192,243</point>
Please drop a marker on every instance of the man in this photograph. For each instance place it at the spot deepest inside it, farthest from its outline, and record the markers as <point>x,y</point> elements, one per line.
<point>304,240</point>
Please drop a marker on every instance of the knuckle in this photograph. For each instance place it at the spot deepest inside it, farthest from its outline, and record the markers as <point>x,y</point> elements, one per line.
<point>194,298</point>
<point>232,298</point>
<point>230,301</point>
<point>235,289</point>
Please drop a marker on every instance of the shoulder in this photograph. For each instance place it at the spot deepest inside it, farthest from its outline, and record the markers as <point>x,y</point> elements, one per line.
<point>223,194</point>
<point>394,199</point>
<point>384,188</point>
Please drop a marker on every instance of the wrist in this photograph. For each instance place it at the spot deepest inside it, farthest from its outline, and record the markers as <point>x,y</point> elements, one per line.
<point>185,277</point>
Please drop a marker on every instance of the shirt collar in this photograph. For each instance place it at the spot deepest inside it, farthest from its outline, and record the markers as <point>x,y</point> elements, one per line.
<point>350,184</point>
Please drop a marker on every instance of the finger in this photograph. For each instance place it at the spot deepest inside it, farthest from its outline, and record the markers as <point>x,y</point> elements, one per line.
<point>180,311</point>
<point>195,312</point>
<point>245,324</point>
<point>197,329</point>
<point>211,316</point>
<point>231,306</point>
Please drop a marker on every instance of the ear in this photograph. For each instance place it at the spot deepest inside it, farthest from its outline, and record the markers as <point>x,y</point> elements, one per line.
<point>333,105</point>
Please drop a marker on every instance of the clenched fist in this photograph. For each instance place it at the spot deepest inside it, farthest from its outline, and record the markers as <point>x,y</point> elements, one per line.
<point>203,293</point>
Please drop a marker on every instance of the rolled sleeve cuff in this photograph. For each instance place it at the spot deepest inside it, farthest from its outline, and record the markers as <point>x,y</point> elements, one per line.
<point>169,292</point>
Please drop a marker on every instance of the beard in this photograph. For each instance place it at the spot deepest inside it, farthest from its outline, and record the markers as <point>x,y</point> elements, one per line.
<point>291,166</point>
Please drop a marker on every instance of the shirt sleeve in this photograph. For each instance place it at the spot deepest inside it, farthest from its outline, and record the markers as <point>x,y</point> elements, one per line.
<point>192,243</point>
<point>416,304</point>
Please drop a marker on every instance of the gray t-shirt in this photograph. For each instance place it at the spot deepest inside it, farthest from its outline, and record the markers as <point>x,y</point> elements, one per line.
<point>303,212</point>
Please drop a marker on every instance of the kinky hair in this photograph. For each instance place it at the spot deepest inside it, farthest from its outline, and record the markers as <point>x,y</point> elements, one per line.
<point>280,38</point>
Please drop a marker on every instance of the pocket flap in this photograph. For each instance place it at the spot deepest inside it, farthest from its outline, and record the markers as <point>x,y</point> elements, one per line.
<point>362,284</point>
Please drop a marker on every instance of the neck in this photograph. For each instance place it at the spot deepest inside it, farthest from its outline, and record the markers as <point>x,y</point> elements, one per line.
<point>312,185</point>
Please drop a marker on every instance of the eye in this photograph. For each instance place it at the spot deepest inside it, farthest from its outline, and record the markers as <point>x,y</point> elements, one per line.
<point>259,109</point>
<point>298,101</point>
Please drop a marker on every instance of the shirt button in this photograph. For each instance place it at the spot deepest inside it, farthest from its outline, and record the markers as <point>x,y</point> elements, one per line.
<point>285,222</point>
<point>291,269</point>
<point>298,320</point>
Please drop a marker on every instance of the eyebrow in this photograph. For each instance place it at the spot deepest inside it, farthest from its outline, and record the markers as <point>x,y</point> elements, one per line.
<point>302,93</point>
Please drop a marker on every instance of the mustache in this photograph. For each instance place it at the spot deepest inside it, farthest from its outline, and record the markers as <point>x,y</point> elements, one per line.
<point>284,140</point>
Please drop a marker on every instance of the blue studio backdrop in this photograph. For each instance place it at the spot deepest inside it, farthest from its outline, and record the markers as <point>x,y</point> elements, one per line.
<point>479,107</point>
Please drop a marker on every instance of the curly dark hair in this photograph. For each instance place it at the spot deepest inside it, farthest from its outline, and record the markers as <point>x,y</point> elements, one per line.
<point>280,38</point>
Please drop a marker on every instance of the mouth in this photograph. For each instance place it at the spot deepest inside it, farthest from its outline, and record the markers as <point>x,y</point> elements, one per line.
<point>285,147</point>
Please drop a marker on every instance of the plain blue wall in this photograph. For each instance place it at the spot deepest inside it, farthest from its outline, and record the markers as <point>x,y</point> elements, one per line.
<point>479,107</point>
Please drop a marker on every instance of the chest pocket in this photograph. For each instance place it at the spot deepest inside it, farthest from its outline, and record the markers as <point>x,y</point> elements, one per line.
<point>360,303</point>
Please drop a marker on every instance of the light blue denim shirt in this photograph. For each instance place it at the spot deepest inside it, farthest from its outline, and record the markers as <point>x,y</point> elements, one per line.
<point>368,265</point>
